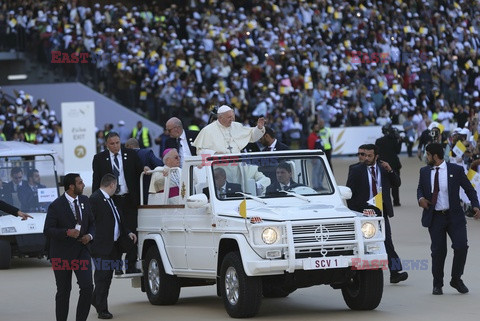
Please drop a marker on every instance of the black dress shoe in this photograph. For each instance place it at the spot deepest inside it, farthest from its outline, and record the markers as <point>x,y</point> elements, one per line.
<point>131,271</point>
<point>398,277</point>
<point>118,272</point>
<point>437,290</point>
<point>397,204</point>
<point>105,315</point>
<point>459,285</point>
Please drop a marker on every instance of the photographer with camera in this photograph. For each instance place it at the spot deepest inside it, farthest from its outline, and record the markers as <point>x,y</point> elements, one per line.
<point>389,147</point>
<point>433,134</point>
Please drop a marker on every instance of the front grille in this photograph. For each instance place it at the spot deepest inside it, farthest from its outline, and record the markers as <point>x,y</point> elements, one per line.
<point>327,233</point>
<point>333,239</point>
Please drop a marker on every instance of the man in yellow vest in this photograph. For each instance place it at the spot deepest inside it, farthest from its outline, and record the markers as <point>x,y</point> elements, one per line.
<point>325,134</point>
<point>142,134</point>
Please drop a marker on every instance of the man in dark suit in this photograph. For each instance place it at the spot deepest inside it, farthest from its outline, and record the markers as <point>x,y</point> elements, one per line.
<point>148,160</point>
<point>284,179</point>
<point>126,166</point>
<point>365,180</point>
<point>111,240</point>
<point>11,188</point>
<point>180,139</point>
<point>28,193</point>
<point>223,188</point>
<point>438,194</point>
<point>389,146</point>
<point>270,143</point>
<point>69,228</point>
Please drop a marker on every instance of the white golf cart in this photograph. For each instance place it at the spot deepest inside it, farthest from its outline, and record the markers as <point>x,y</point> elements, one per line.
<point>19,160</point>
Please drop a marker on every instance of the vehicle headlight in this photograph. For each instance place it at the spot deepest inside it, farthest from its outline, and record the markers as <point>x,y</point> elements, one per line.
<point>368,230</point>
<point>269,235</point>
<point>10,229</point>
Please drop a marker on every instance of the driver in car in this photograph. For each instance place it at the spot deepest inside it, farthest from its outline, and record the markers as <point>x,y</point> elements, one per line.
<point>284,179</point>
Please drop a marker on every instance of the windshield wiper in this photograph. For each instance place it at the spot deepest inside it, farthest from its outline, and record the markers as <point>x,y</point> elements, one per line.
<point>258,199</point>
<point>303,198</point>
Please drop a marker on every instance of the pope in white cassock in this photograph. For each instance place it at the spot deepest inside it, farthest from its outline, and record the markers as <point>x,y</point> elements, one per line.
<point>225,136</point>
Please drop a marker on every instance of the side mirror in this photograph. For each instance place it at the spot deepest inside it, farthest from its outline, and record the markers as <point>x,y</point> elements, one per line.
<point>196,201</point>
<point>345,192</point>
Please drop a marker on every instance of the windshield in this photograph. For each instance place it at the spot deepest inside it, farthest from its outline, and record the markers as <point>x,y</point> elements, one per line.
<point>28,183</point>
<point>270,177</point>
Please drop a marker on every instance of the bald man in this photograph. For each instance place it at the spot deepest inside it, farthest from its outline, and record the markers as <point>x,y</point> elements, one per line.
<point>180,139</point>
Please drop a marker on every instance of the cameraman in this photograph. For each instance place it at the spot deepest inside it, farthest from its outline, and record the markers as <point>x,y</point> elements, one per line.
<point>433,134</point>
<point>389,147</point>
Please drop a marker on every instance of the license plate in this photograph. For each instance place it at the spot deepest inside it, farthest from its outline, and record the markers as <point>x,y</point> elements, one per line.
<point>324,263</point>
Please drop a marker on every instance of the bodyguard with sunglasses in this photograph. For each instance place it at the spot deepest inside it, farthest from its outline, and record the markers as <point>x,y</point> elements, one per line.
<point>366,180</point>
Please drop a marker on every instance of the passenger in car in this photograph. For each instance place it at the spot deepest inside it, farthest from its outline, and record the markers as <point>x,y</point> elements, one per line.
<point>223,188</point>
<point>28,193</point>
<point>284,179</point>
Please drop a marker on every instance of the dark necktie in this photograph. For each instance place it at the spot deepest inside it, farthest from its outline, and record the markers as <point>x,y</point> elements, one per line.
<point>116,172</point>
<point>436,187</point>
<point>77,212</point>
<point>114,210</point>
<point>374,181</point>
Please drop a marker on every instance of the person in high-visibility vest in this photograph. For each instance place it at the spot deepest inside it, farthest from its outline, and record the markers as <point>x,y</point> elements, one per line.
<point>30,136</point>
<point>325,135</point>
<point>142,134</point>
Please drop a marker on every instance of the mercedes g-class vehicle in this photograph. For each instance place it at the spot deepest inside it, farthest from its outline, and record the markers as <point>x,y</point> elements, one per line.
<point>258,225</point>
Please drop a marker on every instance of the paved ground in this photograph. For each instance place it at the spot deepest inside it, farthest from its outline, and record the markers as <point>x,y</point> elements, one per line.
<point>28,289</point>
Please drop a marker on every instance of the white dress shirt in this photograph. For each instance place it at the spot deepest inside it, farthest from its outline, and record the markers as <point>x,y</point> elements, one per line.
<point>72,207</point>
<point>272,147</point>
<point>378,179</point>
<point>183,149</point>
<point>121,178</point>
<point>442,200</point>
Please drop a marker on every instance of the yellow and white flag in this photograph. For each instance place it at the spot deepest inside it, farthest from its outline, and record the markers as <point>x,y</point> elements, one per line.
<point>377,201</point>
<point>474,177</point>
<point>242,208</point>
<point>459,149</point>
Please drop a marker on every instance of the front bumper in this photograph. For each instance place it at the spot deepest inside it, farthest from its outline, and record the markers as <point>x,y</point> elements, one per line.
<point>276,267</point>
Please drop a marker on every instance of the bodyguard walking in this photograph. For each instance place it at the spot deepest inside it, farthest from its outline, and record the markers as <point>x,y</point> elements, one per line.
<point>438,195</point>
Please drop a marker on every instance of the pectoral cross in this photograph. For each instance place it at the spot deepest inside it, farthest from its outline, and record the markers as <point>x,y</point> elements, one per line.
<point>230,148</point>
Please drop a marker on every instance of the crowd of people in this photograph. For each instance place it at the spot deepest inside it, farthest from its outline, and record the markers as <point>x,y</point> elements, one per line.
<point>350,63</point>
<point>24,119</point>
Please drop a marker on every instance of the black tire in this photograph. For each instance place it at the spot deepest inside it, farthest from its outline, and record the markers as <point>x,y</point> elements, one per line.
<point>242,295</point>
<point>5,254</point>
<point>272,290</point>
<point>364,290</point>
<point>161,288</point>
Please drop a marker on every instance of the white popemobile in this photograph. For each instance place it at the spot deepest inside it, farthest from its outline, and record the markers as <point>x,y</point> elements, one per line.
<point>25,238</point>
<point>254,242</point>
